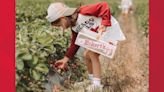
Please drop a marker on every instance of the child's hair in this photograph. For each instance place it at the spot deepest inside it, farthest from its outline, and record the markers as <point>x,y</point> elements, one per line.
<point>55,22</point>
<point>74,16</point>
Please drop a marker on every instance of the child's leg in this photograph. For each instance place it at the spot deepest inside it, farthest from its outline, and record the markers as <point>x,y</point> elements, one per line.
<point>96,67</point>
<point>88,62</point>
<point>96,81</point>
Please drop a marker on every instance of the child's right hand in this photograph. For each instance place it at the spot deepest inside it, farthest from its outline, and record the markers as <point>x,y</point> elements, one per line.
<point>61,64</point>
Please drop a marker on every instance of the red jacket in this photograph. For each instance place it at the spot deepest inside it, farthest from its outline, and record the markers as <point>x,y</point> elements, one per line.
<point>98,10</point>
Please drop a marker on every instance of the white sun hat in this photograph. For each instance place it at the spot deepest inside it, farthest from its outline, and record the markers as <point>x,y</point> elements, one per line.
<point>57,10</point>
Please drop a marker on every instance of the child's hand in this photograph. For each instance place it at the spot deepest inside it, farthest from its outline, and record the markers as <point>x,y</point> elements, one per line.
<point>101,29</point>
<point>61,64</point>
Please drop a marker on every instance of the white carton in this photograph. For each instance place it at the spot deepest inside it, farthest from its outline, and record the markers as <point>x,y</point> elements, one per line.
<point>87,39</point>
<point>106,45</point>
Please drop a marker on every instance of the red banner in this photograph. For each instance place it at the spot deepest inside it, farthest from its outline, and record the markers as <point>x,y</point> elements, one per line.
<point>7,46</point>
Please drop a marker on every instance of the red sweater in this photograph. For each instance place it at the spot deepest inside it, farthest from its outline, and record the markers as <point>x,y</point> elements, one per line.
<point>98,10</point>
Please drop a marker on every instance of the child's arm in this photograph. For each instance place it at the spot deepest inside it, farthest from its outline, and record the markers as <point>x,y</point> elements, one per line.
<point>99,10</point>
<point>73,48</point>
<point>69,54</point>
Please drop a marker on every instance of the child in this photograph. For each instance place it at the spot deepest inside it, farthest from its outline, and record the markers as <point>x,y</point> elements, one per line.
<point>126,6</point>
<point>61,15</point>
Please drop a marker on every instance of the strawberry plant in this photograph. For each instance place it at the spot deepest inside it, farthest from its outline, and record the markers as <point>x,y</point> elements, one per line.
<point>36,44</point>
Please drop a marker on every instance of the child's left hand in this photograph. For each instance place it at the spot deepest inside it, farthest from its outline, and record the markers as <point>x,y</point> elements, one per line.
<point>101,29</point>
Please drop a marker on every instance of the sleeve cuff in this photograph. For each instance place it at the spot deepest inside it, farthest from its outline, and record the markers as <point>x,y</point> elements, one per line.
<point>106,22</point>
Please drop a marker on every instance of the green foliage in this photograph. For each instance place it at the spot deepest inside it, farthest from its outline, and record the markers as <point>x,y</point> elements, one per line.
<point>142,15</point>
<point>35,42</point>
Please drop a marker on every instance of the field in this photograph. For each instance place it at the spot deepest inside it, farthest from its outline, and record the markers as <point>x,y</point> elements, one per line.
<point>37,44</point>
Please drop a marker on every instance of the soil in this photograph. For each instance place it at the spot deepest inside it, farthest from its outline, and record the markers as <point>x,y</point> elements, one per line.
<point>128,71</point>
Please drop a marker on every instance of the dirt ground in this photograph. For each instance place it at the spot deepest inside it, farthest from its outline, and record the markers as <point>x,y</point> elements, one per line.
<point>128,71</point>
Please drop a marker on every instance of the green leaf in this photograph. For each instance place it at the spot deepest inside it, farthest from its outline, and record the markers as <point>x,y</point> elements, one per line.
<point>43,54</point>
<point>20,53</point>
<point>49,41</point>
<point>36,75</point>
<point>42,68</point>
<point>27,57</point>
<point>45,41</point>
<point>24,50</point>
<point>35,60</point>
<point>19,65</point>
<point>50,49</point>
<point>17,53</point>
<point>17,78</point>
